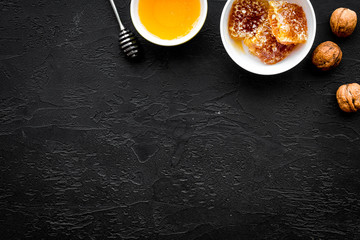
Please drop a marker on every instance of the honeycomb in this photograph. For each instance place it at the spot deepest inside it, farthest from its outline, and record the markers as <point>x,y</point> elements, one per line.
<point>246,16</point>
<point>265,46</point>
<point>288,22</point>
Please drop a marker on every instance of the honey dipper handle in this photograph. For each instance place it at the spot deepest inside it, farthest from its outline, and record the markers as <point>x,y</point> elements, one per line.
<point>117,15</point>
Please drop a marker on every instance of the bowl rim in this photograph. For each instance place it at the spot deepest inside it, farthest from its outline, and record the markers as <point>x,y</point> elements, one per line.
<point>162,42</point>
<point>261,71</point>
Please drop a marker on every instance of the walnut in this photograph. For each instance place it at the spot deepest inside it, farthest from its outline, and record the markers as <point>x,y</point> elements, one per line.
<point>348,97</point>
<point>327,56</point>
<point>343,22</point>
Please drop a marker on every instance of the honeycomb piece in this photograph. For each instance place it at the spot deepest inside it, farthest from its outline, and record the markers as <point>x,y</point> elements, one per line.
<point>246,16</point>
<point>288,22</point>
<point>265,46</point>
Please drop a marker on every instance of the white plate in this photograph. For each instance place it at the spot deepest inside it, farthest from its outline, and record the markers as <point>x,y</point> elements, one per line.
<point>253,64</point>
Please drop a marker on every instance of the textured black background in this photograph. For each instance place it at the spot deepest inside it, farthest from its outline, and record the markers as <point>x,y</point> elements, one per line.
<point>183,145</point>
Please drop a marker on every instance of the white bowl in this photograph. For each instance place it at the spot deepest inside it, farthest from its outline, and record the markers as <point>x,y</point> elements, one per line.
<point>134,12</point>
<point>253,64</point>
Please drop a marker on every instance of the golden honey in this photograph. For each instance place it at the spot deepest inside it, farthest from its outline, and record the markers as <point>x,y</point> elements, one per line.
<point>169,19</point>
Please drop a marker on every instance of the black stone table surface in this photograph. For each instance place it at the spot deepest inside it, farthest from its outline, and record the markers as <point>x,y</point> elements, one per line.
<point>183,145</point>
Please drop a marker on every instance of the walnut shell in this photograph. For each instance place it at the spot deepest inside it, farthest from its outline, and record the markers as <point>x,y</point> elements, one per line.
<point>327,56</point>
<point>348,97</point>
<point>343,22</point>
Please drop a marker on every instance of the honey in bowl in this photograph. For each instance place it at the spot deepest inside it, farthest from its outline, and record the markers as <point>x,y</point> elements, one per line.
<point>169,19</point>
